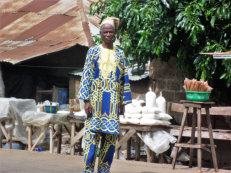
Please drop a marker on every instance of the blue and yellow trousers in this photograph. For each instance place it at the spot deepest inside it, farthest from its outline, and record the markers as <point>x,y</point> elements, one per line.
<point>106,150</point>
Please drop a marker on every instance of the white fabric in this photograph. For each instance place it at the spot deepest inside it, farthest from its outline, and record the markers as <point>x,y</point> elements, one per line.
<point>108,21</point>
<point>145,121</point>
<point>15,108</point>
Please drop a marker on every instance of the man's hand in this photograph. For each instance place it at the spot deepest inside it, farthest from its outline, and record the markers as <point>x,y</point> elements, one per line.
<point>88,108</point>
<point>122,109</point>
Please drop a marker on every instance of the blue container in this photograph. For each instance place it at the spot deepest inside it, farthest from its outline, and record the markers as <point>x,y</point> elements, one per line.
<point>62,96</point>
<point>51,109</point>
<point>16,146</point>
<point>39,149</point>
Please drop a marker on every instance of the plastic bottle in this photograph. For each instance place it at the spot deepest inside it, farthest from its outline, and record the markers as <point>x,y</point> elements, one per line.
<point>161,103</point>
<point>150,99</point>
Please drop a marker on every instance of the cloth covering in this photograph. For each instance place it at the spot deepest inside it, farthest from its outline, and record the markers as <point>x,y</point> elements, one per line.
<point>39,119</point>
<point>14,108</point>
<point>106,92</point>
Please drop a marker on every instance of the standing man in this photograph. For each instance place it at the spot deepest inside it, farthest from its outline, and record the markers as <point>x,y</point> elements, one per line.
<point>105,90</point>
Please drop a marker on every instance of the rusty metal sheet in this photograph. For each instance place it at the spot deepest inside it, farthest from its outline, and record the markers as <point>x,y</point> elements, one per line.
<point>38,5</point>
<point>61,7</point>
<point>21,25</point>
<point>7,18</point>
<point>32,28</point>
<point>44,27</point>
<point>12,5</point>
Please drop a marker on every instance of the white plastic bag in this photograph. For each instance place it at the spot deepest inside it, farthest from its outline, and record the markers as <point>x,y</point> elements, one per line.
<point>159,141</point>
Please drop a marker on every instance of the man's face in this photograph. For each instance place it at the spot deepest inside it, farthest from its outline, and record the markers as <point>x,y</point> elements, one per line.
<point>107,33</point>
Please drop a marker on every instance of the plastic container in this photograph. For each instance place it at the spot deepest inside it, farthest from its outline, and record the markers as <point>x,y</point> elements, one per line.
<point>197,96</point>
<point>150,99</point>
<point>39,149</point>
<point>161,103</point>
<point>51,109</point>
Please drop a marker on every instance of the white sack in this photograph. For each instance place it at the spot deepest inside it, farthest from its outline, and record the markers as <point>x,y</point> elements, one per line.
<point>148,110</point>
<point>133,120</point>
<point>145,121</point>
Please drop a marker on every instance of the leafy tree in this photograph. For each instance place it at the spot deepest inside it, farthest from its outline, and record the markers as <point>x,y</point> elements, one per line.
<point>163,28</point>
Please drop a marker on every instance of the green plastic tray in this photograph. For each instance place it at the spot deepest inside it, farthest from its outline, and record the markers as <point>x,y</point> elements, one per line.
<point>197,96</point>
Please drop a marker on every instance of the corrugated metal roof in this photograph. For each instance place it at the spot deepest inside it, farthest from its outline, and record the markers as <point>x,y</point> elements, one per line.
<point>31,28</point>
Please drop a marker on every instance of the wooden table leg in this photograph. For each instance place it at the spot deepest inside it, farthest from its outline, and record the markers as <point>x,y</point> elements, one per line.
<point>10,135</point>
<point>40,137</point>
<point>137,148</point>
<point>128,157</point>
<point>59,139</point>
<point>51,129</point>
<point>199,150</point>
<point>29,138</point>
<point>117,151</point>
<point>150,154</point>
<point>214,156</point>
<point>1,137</point>
<point>72,137</point>
<point>192,135</point>
<point>180,136</point>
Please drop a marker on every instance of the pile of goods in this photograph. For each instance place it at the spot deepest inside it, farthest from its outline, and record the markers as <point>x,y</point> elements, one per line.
<point>154,113</point>
<point>194,85</point>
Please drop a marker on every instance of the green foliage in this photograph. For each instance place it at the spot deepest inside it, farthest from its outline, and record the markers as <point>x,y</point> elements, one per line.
<point>163,28</point>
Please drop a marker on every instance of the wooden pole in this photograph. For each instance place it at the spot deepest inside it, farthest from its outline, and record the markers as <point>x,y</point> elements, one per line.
<point>29,137</point>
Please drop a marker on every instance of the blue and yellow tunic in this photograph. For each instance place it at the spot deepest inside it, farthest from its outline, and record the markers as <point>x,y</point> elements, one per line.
<point>106,85</point>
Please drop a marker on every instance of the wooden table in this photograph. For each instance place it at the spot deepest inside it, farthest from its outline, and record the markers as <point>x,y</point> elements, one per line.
<point>53,134</point>
<point>197,106</point>
<point>8,134</point>
<point>131,130</point>
<point>76,132</point>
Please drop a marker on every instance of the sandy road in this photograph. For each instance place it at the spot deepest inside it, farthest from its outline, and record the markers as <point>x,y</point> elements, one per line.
<point>21,161</point>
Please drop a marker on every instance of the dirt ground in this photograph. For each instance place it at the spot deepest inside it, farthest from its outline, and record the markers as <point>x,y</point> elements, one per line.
<point>21,161</point>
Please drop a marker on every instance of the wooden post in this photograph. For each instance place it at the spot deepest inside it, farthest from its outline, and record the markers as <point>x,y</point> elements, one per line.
<point>129,149</point>
<point>29,137</point>
<point>180,136</point>
<point>1,137</point>
<point>10,136</point>
<point>194,116</point>
<point>72,137</point>
<point>117,151</point>
<point>137,148</point>
<point>199,150</point>
<point>40,136</point>
<point>214,156</point>
<point>59,139</point>
<point>51,128</point>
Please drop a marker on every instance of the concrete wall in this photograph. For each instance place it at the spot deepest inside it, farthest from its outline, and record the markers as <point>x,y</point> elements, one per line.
<point>167,78</point>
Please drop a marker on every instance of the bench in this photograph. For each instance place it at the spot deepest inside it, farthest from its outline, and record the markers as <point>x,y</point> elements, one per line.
<point>218,134</point>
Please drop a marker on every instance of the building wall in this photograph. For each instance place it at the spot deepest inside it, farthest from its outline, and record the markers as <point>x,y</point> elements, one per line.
<point>167,78</point>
